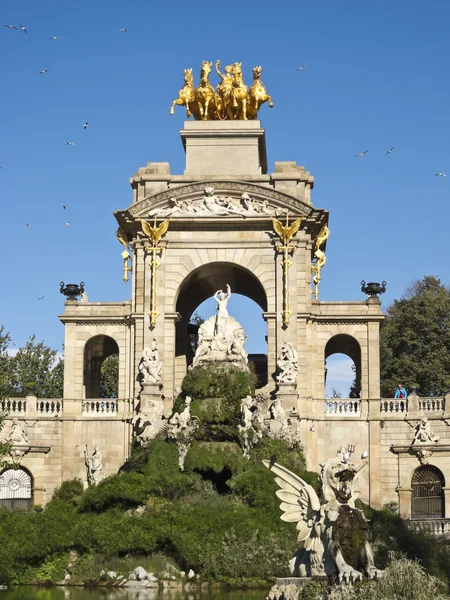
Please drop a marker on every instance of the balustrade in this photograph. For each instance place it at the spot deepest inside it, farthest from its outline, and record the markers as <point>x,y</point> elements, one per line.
<point>431,404</point>
<point>13,406</point>
<point>432,526</point>
<point>50,407</point>
<point>395,405</point>
<point>350,407</point>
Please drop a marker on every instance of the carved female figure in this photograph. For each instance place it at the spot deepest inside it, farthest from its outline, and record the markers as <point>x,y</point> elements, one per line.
<point>225,89</point>
<point>222,298</point>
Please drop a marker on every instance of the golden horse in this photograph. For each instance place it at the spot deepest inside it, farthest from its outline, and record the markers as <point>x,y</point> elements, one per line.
<point>257,95</point>
<point>239,93</point>
<point>208,101</point>
<point>186,96</point>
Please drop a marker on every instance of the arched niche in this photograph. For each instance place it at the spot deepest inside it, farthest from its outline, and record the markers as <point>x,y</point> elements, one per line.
<point>16,489</point>
<point>428,497</point>
<point>203,283</point>
<point>96,350</point>
<point>348,345</point>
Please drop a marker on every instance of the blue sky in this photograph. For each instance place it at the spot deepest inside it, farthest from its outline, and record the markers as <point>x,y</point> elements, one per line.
<point>377,77</point>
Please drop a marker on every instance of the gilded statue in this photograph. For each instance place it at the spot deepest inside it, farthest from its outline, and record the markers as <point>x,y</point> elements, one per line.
<point>186,96</point>
<point>231,100</point>
<point>257,94</point>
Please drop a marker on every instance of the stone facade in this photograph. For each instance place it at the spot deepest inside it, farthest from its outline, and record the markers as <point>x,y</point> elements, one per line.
<point>221,232</point>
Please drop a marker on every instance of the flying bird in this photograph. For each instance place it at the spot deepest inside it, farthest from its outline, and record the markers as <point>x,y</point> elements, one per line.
<point>365,454</point>
<point>11,27</point>
<point>23,28</point>
<point>440,175</point>
<point>54,37</point>
<point>70,144</point>
<point>64,206</point>
<point>43,72</point>
<point>362,153</point>
<point>390,150</point>
<point>41,297</point>
<point>27,226</point>
<point>67,224</point>
<point>122,31</point>
<point>301,68</point>
<point>85,125</point>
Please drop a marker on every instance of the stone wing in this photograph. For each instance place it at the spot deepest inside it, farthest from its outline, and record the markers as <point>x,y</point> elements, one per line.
<point>300,503</point>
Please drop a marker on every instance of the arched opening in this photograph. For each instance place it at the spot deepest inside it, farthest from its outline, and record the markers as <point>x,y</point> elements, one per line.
<point>16,490</point>
<point>247,303</point>
<point>342,367</point>
<point>427,499</point>
<point>96,351</point>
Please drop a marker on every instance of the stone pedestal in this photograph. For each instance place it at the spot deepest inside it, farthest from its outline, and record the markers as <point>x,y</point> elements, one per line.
<point>151,402</point>
<point>287,393</point>
<point>224,148</point>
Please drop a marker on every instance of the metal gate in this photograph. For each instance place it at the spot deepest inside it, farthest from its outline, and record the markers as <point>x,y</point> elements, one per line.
<point>16,492</point>
<point>427,494</point>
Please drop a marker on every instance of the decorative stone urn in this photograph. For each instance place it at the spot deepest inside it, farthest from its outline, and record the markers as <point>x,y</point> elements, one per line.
<point>373,289</point>
<point>71,290</point>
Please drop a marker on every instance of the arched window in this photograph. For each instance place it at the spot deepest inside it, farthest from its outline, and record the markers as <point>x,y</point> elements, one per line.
<point>427,500</point>
<point>16,490</point>
<point>96,351</point>
<point>343,370</point>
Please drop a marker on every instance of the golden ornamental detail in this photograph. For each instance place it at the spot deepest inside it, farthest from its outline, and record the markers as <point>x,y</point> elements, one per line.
<point>122,237</point>
<point>321,259</point>
<point>286,233</point>
<point>154,233</point>
<point>231,100</point>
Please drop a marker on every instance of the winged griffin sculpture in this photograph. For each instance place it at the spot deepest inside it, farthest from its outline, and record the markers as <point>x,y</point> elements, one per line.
<point>334,533</point>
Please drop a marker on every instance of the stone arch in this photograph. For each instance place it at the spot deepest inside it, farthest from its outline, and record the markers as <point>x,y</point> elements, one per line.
<point>428,496</point>
<point>343,343</point>
<point>202,283</point>
<point>16,489</point>
<point>96,350</point>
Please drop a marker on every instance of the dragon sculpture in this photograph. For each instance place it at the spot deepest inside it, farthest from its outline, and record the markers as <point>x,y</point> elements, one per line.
<point>334,533</point>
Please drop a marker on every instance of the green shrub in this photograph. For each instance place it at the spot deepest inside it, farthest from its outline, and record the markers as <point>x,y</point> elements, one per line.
<point>214,457</point>
<point>124,491</point>
<point>218,381</point>
<point>69,491</point>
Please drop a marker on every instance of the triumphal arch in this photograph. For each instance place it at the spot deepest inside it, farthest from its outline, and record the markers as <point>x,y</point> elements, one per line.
<point>228,223</point>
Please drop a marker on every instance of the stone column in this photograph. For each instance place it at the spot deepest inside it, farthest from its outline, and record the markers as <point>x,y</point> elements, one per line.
<point>447,502</point>
<point>404,502</point>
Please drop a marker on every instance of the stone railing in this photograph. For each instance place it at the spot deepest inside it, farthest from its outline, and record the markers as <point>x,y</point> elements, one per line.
<point>107,407</point>
<point>50,407</point>
<point>343,406</point>
<point>433,526</point>
<point>394,405</point>
<point>431,405</point>
<point>13,406</point>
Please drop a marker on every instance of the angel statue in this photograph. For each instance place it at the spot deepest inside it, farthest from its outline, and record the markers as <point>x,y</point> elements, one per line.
<point>334,533</point>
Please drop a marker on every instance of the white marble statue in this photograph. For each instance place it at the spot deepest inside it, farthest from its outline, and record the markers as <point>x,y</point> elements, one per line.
<point>18,433</point>
<point>278,424</point>
<point>424,434</point>
<point>249,432</point>
<point>94,465</point>
<point>211,205</point>
<point>150,366</point>
<point>287,364</point>
<point>181,428</point>
<point>221,338</point>
<point>332,530</point>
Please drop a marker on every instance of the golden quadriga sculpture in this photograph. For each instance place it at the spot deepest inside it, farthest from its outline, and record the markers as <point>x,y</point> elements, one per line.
<point>231,100</point>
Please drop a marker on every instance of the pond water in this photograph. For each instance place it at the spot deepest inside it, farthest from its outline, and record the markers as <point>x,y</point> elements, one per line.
<point>79,593</point>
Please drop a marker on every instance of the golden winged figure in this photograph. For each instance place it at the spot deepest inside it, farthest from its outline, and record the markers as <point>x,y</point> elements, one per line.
<point>122,237</point>
<point>322,236</point>
<point>155,232</point>
<point>286,232</point>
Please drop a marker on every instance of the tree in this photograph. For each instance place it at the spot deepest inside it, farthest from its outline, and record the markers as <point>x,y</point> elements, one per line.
<point>109,377</point>
<point>5,340</point>
<point>415,340</point>
<point>33,369</point>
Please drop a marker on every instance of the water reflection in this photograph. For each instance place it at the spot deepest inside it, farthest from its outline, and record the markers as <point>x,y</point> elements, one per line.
<point>77,593</point>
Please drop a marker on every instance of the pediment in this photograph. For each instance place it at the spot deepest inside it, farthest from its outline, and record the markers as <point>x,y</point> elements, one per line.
<point>234,201</point>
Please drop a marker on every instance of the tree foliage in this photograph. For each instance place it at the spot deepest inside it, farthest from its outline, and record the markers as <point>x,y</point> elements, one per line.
<point>34,368</point>
<point>109,377</point>
<point>415,340</point>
